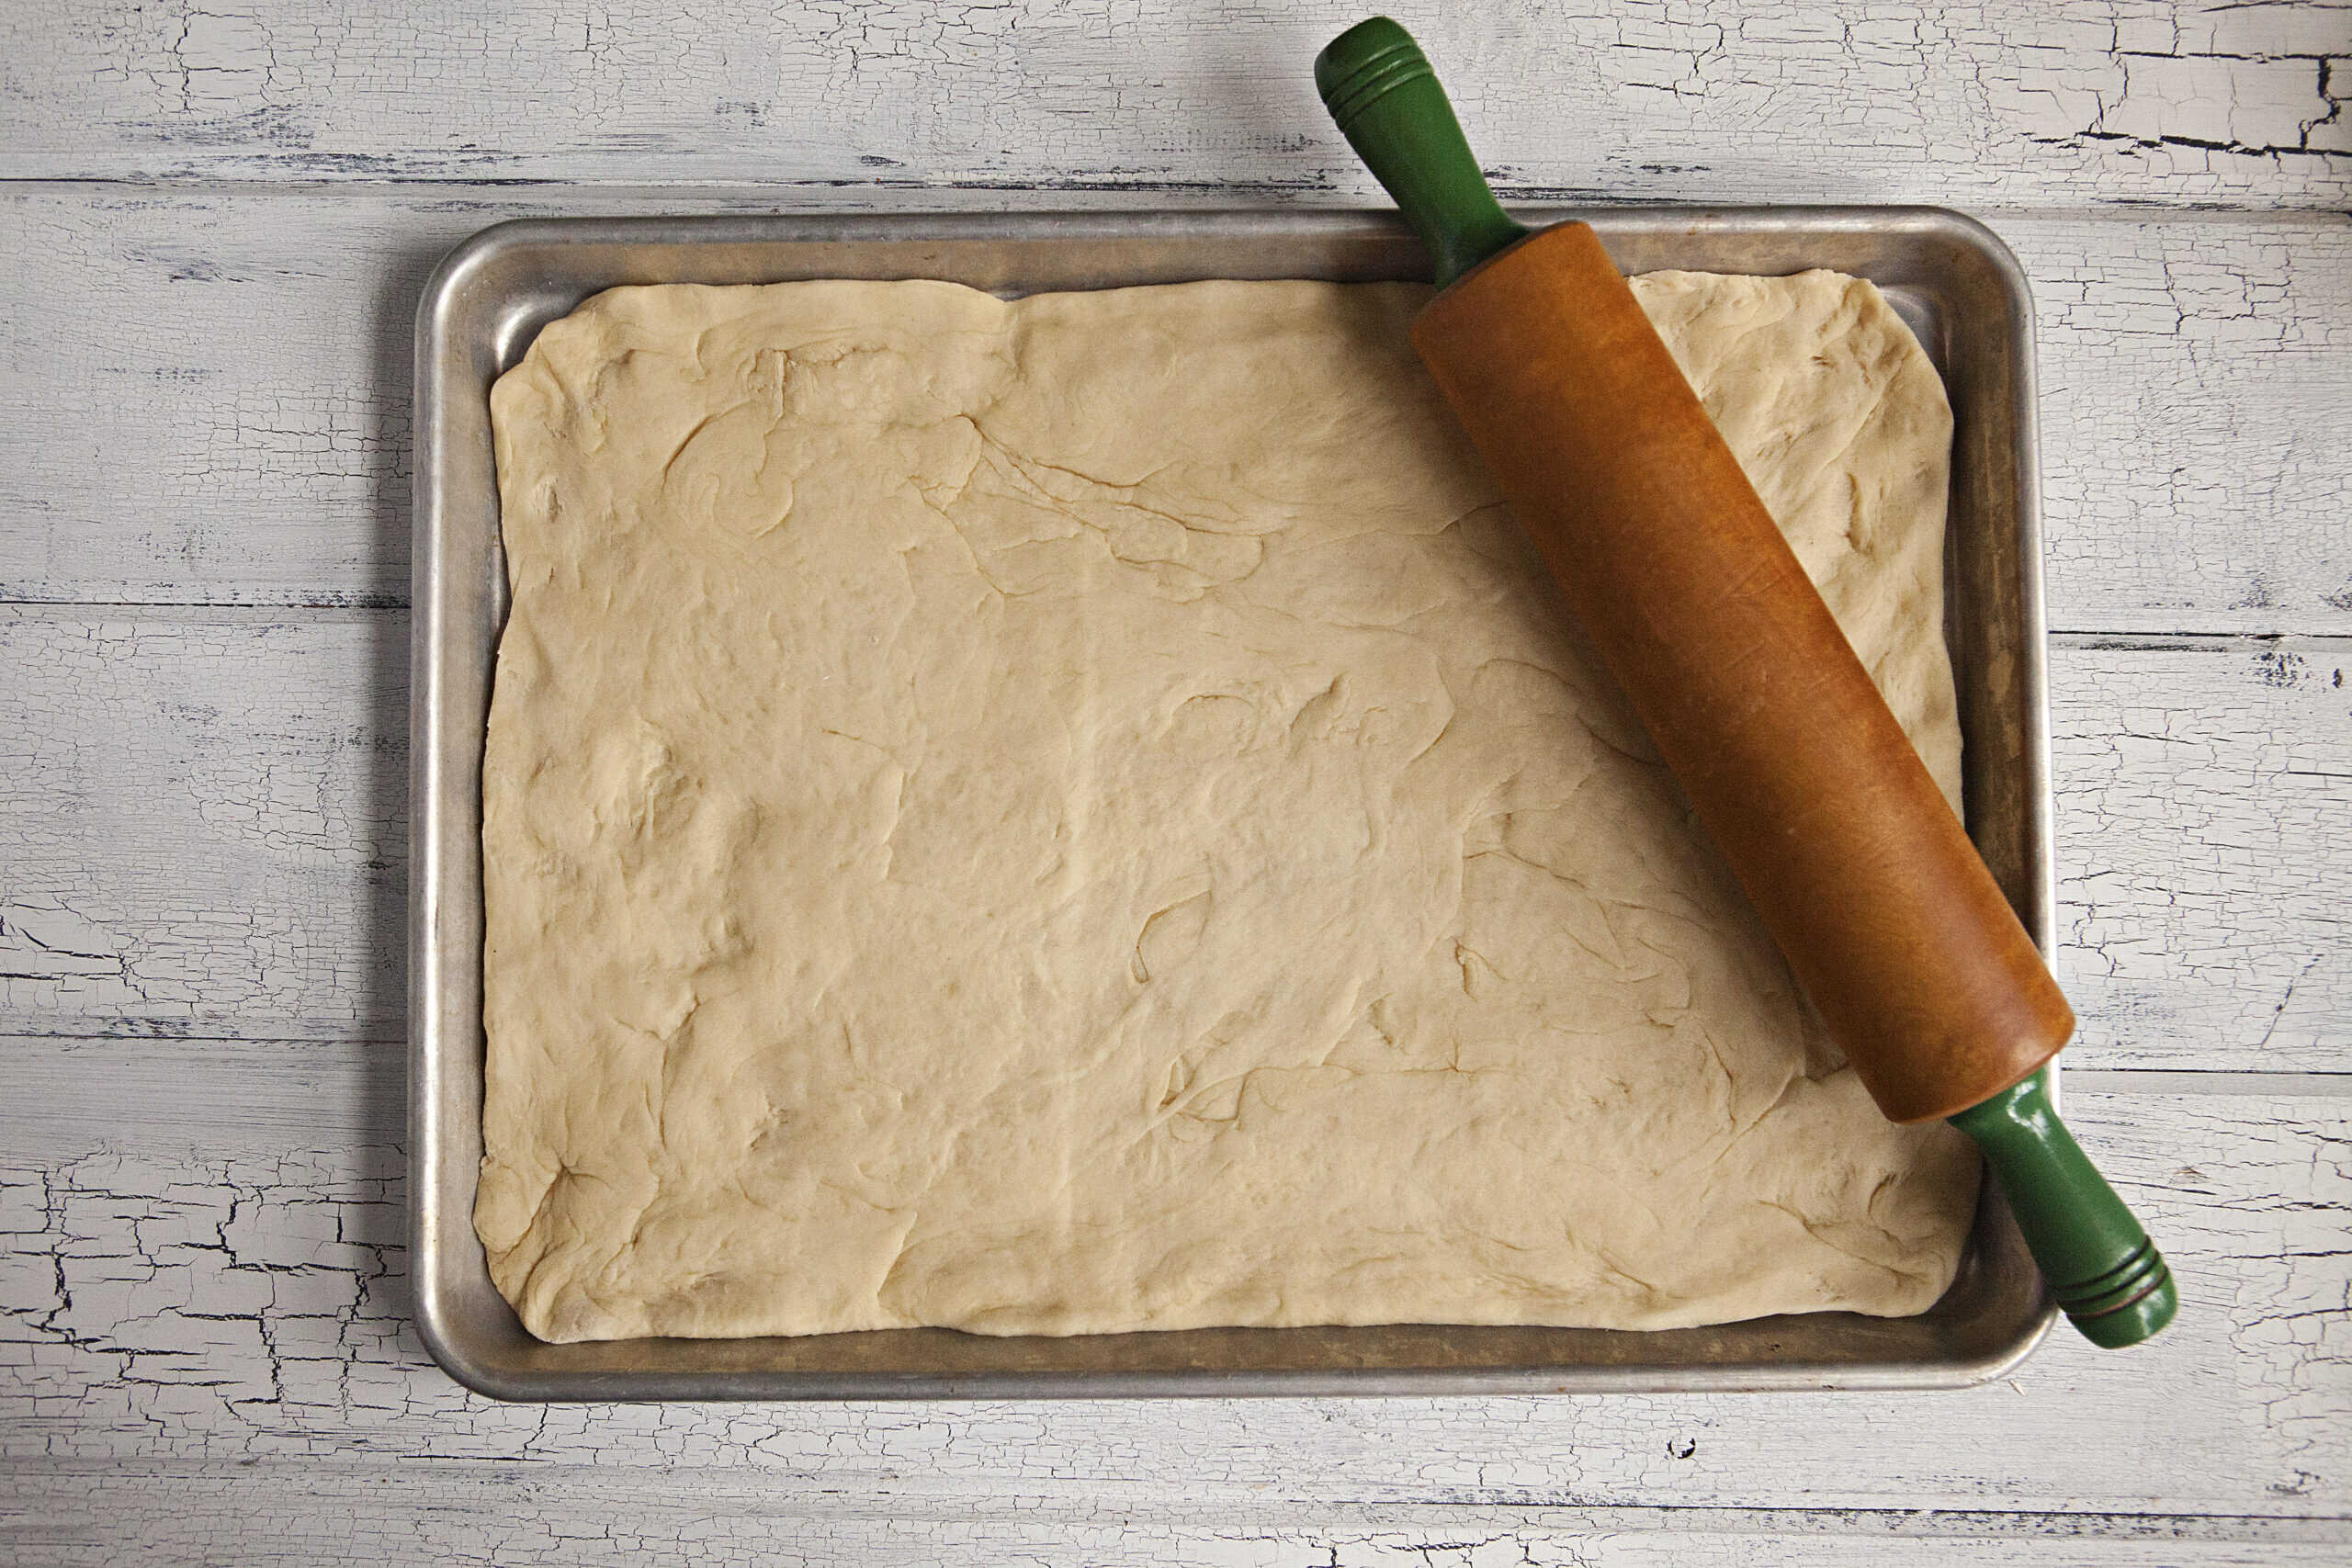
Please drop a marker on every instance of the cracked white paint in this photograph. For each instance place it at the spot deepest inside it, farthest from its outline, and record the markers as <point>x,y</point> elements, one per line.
<point>44,940</point>
<point>2229,102</point>
<point>275,752</point>
<point>223,61</point>
<point>2196,383</point>
<point>2204,842</point>
<point>1986,103</point>
<point>437,1513</point>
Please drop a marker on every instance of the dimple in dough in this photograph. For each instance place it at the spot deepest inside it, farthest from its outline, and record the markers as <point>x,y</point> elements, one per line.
<point>1083,814</point>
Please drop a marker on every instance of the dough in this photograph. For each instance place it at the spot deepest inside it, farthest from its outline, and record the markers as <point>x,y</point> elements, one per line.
<point>1083,815</point>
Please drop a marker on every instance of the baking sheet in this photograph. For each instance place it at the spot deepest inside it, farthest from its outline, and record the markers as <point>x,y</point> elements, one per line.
<point>1954,281</point>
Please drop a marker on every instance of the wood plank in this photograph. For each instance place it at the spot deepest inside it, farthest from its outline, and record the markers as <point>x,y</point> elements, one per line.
<point>429,1513</point>
<point>2000,103</point>
<point>2195,401</point>
<point>202,823</point>
<point>239,1093</point>
<point>242,1297</point>
<point>253,448</point>
<point>2204,841</point>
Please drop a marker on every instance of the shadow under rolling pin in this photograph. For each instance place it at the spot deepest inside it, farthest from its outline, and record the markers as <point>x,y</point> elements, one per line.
<point>1797,767</point>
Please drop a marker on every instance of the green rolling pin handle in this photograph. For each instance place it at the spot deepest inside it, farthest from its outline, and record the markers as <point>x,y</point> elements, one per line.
<point>2106,1273</point>
<point>1387,101</point>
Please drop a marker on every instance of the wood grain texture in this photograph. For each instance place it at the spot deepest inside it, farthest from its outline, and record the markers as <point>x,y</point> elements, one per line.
<point>2204,807</point>
<point>524,1513</point>
<point>204,397</point>
<point>1995,102</point>
<point>203,819</point>
<point>2195,407</point>
<point>240,1295</point>
<point>203,823</point>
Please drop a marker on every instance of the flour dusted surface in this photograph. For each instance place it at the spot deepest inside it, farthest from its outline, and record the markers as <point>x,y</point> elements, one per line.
<point>1082,815</point>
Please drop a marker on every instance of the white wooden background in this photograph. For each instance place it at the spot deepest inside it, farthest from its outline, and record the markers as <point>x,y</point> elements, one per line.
<point>215,217</point>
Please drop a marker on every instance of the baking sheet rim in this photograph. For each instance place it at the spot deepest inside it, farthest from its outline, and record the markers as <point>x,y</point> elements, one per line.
<point>458,348</point>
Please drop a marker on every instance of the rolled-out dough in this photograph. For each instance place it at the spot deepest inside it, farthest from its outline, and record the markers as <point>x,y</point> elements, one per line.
<point>1083,814</point>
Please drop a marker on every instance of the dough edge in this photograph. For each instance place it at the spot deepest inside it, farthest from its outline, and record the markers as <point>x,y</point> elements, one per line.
<point>566,1292</point>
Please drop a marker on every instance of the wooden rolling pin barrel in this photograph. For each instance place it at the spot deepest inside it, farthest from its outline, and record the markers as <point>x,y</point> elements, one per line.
<point>1865,877</point>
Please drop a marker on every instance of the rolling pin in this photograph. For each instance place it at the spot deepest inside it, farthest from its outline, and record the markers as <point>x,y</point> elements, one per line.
<point>1797,767</point>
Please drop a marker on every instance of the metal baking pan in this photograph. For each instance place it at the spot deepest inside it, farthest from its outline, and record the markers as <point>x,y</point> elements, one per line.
<point>1954,282</point>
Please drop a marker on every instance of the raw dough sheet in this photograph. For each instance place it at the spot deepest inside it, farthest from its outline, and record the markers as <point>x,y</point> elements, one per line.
<point>1083,814</point>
